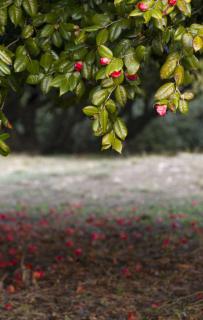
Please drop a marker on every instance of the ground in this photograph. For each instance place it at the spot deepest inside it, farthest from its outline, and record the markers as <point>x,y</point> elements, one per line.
<point>101,239</point>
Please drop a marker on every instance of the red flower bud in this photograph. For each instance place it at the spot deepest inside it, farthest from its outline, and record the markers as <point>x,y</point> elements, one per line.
<point>116,74</point>
<point>172,2</point>
<point>161,109</point>
<point>142,6</point>
<point>78,66</point>
<point>104,61</point>
<point>131,77</point>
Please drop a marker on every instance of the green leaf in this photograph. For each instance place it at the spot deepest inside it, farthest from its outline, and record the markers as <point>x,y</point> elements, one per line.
<point>183,106</point>
<point>46,84</point>
<point>33,67</point>
<point>80,89</point>
<point>121,95</point>
<point>4,149</point>
<point>99,97</point>
<point>3,17</point>
<point>92,28</point>
<point>184,7</point>
<point>197,43</point>
<point>165,91</point>
<point>47,31</point>
<point>46,61</point>
<point>90,111</point>
<point>157,14</point>
<point>187,40</point>
<point>4,136</point>
<point>103,118</point>
<point>27,31</point>
<point>179,75</point>
<point>31,7</point>
<point>117,2</point>
<point>115,31</point>
<point>16,15</point>
<point>135,13</point>
<point>102,37</point>
<point>110,106</point>
<point>32,46</point>
<point>5,55</point>
<point>107,141</point>
<point>131,63</point>
<point>188,95</point>
<point>117,145</point>
<point>147,16</point>
<point>169,66</point>
<point>34,79</point>
<point>120,129</point>
<point>20,63</point>
<point>105,52</point>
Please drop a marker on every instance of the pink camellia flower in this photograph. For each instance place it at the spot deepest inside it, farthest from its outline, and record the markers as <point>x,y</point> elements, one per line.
<point>161,109</point>
<point>78,66</point>
<point>131,77</point>
<point>104,61</point>
<point>172,2</point>
<point>116,74</point>
<point>142,6</point>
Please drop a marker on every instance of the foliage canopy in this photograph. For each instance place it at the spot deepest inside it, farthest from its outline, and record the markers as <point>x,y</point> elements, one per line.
<point>99,46</point>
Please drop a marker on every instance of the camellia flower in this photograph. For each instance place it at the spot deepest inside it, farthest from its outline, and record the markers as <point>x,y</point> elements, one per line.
<point>142,6</point>
<point>116,74</point>
<point>172,2</point>
<point>131,77</point>
<point>78,66</point>
<point>161,109</point>
<point>104,61</point>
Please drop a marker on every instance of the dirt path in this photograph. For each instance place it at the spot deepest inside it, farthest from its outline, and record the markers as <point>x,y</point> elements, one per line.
<point>54,181</point>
